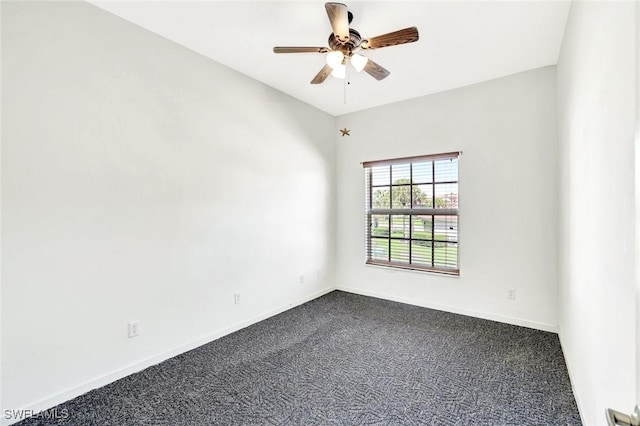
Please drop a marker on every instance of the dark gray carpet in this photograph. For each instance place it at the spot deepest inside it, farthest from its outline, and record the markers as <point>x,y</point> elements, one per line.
<point>345,359</point>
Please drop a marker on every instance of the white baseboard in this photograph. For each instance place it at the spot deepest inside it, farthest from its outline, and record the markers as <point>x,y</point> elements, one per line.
<point>566,362</point>
<point>468,312</point>
<point>68,394</point>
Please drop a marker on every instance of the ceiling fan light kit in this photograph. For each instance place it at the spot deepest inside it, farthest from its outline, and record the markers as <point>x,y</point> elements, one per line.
<point>339,71</point>
<point>359,61</point>
<point>346,42</point>
<point>335,58</point>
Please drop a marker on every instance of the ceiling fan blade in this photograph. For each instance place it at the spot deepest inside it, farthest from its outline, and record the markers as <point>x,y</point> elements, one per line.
<point>407,35</point>
<point>339,18</point>
<point>322,75</point>
<point>375,70</point>
<point>288,49</point>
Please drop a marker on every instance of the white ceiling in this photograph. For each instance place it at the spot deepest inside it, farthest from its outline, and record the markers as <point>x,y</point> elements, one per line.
<point>461,42</point>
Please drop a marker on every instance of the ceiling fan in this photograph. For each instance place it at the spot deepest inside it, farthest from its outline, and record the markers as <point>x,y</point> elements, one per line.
<point>345,43</point>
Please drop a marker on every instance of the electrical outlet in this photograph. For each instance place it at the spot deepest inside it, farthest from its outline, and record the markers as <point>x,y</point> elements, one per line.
<point>134,328</point>
<point>236,298</point>
<point>511,294</point>
<point>301,279</point>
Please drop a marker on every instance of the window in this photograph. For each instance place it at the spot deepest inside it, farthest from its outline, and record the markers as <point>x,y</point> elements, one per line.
<point>412,213</point>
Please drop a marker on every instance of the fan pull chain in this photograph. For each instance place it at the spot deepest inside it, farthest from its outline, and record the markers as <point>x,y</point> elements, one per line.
<point>347,81</point>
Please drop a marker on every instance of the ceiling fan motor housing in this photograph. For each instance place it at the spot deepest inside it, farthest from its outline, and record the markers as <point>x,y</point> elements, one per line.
<point>348,46</point>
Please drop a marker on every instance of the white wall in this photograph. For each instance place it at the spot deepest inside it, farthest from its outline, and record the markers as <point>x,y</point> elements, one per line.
<point>0,222</point>
<point>637,184</point>
<point>597,270</point>
<point>142,181</point>
<point>506,129</point>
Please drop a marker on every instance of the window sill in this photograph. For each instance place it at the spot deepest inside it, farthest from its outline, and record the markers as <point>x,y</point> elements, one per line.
<point>392,267</point>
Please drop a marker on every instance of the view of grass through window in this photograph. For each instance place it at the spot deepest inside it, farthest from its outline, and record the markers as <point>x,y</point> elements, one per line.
<point>412,213</point>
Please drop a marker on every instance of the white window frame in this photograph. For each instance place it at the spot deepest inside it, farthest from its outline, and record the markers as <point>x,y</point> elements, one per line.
<point>433,211</point>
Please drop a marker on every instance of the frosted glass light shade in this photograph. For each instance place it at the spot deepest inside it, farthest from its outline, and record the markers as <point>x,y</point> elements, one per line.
<point>359,61</point>
<point>340,71</point>
<point>334,59</point>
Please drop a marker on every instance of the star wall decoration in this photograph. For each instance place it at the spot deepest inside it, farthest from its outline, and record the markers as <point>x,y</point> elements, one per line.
<point>345,132</point>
